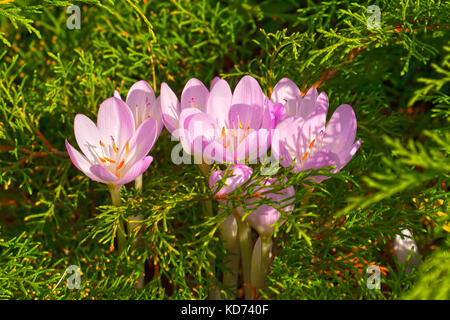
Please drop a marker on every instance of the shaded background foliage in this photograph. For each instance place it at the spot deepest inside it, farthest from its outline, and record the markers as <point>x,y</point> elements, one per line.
<point>396,78</point>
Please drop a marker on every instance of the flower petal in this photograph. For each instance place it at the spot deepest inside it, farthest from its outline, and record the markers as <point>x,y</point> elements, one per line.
<point>81,162</point>
<point>88,136</point>
<point>117,95</point>
<point>216,151</point>
<point>140,99</point>
<point>136,170</point>
<point>170,108</point>
<point>341,129</point>
<point>194,94</point>
<point>201,128</point>
<point>277,113</point>
<point>213,82</point>
<point>183,131</point>
<point>237,175</point>
<point>103,173</point>
<point>264,216</point>
<point>141,143</point>
<point>242,116</point>
<point>248,91</point>
<point>306,106</point>
<point>288,141</point>
<point>219,102</point>
<point>284,91</point>
<point>346,155</point>
<point>114,119</point>
<point>320,159</point>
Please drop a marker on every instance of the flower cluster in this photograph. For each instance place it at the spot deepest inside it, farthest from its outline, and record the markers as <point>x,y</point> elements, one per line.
<point>218,125</point>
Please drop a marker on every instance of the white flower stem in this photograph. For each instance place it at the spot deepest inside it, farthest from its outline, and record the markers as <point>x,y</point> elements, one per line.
<point>213,293</point>
<point>228,232</point>
<point>120,234</point>
<point>245,242</point>
<point>260,262</point>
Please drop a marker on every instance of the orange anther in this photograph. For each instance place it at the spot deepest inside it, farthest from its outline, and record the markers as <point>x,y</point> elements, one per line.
<point>110,160</point>
<point>305,155</point>
<point>121,164</point>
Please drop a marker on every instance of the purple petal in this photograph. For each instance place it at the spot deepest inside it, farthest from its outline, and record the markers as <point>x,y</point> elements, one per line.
<point>237,175</point>
<point>136,170</point>
<point>104,174</point>
<point>114,119</point>
<point>264,216</point>
<point>306,106</point>
<point>140,99</point>
<point>346,155</point>
<point>141,143</point>
<point>248,91</point>
<point>284,91</point>
<point>194,94</point>
<point>213,82</point>
<point>242,116</point>
<point>81,162</point>
<point>117,95</point>
<point>341,129</point>
<point>277,112</point>
<point>321,159</point>
<point>170,108</point>
<point>183,131</point>
<point>202,130</point>
<point>219,102</point>
<point>288,141</point>
<point>87,135</point>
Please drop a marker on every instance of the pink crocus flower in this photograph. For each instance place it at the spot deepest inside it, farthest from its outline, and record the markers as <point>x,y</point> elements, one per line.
<point>223,126</point>
<point>263,217</point>
<point>143,104</point>
<point>306,138</point>
<point>113,151</point>
<point>238,174</point>
<point>194,95</point>
<point>288,94</point>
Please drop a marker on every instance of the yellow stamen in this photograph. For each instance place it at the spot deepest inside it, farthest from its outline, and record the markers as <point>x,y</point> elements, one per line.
<point>115,147</point>
<point>121,164</point>
<point>223,132</point>
<point>127,148</point>
<point>240,124</point>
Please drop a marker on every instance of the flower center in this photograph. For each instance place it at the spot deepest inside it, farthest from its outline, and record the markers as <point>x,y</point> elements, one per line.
<point>111,156</point>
